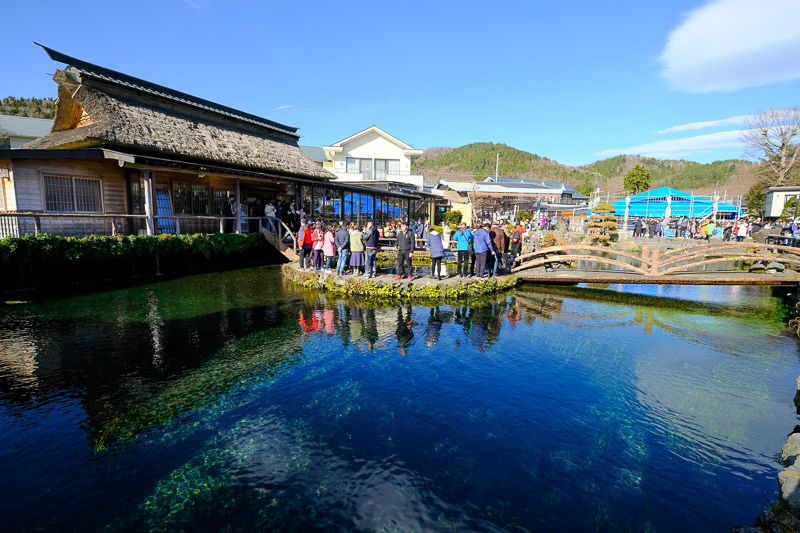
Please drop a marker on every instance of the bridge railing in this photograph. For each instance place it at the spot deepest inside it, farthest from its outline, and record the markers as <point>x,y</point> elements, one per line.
<point>654,263</point>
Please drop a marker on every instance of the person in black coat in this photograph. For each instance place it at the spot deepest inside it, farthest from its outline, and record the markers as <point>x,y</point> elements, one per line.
<point>406,241</point>
<point>229,210</point>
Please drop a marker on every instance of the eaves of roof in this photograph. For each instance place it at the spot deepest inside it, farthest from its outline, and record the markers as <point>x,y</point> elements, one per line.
<point>89,70</point>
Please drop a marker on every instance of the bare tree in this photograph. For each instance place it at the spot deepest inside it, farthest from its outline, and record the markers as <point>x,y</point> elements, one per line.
<point>772,138</point>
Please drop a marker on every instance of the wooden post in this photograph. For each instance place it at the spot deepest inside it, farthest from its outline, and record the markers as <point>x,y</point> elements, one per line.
<point>148,176</point>
<point>236,212</point>
<point>654,266</point>
<point>37,225</point>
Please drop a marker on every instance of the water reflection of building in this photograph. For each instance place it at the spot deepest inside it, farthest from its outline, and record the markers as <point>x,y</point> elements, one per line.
<point>145,365</point>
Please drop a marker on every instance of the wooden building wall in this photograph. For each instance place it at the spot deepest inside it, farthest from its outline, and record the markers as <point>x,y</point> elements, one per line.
<point>27,191</point>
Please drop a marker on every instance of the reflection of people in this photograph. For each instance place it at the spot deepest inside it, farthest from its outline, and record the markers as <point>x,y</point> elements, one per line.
<point>370,327</point>
<point>404,331</point>
<point>434,328</point>
<point>309,322</point>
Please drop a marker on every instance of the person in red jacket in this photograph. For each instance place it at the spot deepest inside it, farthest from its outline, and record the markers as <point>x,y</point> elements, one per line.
<point>305,244</point>
<point>516,241</point>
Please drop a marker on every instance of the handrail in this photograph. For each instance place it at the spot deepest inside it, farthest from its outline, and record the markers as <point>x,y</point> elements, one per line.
<point>671,262</point>
<point>39,215</point>
<point>44,214</point>
<point>288,232</point>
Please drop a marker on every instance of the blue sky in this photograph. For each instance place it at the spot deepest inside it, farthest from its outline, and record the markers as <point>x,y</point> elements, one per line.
<point>574,81</point>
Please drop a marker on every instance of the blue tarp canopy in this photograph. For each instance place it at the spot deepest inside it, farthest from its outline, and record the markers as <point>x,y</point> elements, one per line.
<point>654,204</point>
<point>355,204</point>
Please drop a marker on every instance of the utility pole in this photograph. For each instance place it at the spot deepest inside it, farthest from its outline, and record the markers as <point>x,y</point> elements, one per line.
<point>497,167</point>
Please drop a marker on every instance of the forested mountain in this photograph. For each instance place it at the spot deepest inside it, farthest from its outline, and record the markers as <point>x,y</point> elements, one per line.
<point>28,107</point>
<point>477,161</point>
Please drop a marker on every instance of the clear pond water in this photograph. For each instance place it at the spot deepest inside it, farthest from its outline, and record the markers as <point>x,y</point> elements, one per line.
<point>230,402</point>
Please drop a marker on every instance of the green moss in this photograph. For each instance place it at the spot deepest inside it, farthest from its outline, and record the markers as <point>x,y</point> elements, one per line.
<point>381,291</point>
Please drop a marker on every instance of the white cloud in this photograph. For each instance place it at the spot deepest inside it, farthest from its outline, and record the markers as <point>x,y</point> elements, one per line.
<point>707,124</point>
<point>730,44</point>
<point>281,107</point>
<point>196,4</point>
<point>680,147</point>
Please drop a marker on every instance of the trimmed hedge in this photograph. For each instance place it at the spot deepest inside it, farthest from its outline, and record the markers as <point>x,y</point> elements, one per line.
<point>40,261</point>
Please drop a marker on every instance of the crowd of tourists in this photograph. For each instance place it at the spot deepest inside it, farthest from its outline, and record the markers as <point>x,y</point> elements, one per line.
<point>693,228</point>
<point>351,246</point>
<point>482,250</point>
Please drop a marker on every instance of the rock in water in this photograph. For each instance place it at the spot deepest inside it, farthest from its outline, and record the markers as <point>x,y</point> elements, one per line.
<point>774,267</point>
<point>790,495</point>
<point>791,448</point>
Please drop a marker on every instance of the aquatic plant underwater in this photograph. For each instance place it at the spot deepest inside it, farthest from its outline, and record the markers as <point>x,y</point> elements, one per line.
<point>543,409</point>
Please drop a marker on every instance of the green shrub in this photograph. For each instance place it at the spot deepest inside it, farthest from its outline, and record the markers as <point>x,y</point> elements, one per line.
<point>39,261</point>
<point>454,217</point>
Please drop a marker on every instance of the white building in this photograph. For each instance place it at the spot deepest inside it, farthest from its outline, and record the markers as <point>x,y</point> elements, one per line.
<point>16,131</point>
<point>776,200</point>
<point>372,155</point>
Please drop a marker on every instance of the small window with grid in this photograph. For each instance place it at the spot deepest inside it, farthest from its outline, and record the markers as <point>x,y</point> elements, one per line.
<point>72,195</point>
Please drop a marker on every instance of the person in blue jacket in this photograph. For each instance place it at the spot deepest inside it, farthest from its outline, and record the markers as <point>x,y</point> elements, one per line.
<point>437,253</point>
<point>463,238</point>
<point>483,247</point>
<point>342,243</point>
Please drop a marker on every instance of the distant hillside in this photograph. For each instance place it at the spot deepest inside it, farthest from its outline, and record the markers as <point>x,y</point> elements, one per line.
<point>28,107</point>
<point>477,161</point>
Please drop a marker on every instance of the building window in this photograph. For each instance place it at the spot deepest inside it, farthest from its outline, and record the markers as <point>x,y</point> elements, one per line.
<point>137,194</point>
<point>199,199</point>
<point>72,195</point>
<point>219,199</point>
<point>384,167</point>
<point>360,166</point>
<point>190,198</point>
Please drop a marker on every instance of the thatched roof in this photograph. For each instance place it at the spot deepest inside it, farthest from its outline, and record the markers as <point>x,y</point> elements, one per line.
<point>98,107</point>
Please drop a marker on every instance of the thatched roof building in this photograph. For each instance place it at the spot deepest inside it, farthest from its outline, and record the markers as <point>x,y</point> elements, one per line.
<point>129,156</point>
<point>102,108</point>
